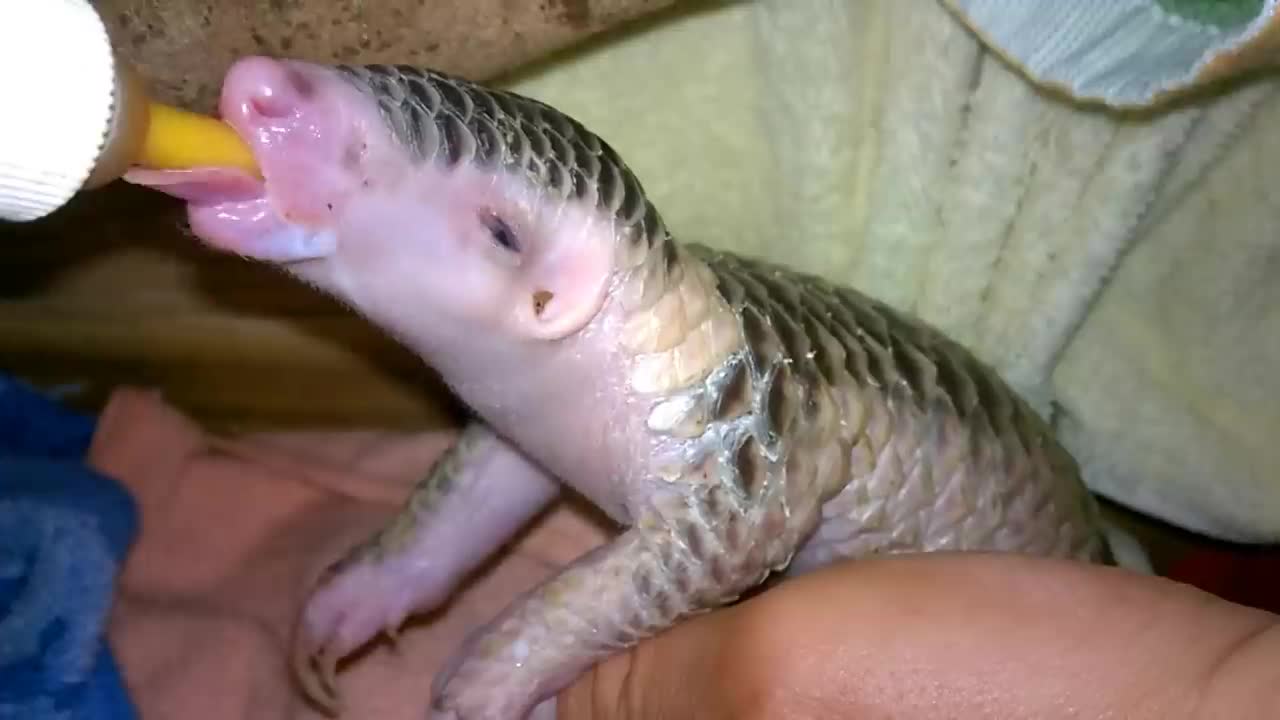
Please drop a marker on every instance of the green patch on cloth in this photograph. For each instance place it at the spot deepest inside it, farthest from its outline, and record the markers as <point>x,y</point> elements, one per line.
<point>1219,13</point>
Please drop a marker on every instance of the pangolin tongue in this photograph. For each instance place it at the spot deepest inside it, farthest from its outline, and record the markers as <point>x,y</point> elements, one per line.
<point>200,186</point>
<point>229,210</point>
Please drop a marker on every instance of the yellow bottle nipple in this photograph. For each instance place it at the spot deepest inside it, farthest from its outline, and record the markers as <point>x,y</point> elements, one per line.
<point>176,139</point>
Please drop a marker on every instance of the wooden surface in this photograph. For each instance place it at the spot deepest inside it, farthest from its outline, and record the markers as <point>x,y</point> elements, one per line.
<point>111,290</point>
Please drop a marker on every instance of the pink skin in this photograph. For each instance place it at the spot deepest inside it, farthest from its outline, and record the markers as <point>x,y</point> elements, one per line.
<point>343,208</point>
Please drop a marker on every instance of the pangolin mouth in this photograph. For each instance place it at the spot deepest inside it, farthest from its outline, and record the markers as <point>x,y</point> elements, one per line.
<point>232,211</point>
<point>201,186</point>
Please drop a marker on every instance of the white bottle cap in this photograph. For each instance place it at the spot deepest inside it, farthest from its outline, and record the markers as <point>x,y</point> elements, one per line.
<point>58,82</point>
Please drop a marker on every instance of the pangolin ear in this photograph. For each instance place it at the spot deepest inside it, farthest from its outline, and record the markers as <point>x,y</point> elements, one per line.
<point>565,288</point>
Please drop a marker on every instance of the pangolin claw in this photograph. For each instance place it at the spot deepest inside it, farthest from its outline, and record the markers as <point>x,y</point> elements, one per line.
<point>350,604</point>
<point>315,666</point>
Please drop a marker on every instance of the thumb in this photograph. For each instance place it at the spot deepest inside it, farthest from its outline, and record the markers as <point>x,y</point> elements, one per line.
<point>680,673</point>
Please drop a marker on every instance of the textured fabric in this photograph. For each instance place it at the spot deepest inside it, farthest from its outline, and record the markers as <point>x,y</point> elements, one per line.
<point>32,424</point>
<point>1041,233</point>
<point>1214,12</point>
<point>1126,53</point>
<point>64,530</point>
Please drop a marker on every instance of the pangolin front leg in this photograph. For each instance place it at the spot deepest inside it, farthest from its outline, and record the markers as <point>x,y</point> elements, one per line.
<point>685,555</point>
<point>477,495</point>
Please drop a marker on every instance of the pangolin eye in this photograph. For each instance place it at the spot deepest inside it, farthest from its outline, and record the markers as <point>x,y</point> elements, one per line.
<point>502,233</point>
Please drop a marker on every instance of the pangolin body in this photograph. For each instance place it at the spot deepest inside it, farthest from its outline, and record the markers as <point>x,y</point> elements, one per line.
<point>737,418</point>
<point>792,421</point>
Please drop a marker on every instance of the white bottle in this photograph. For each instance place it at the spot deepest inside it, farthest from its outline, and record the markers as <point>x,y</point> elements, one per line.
<point>68,106</point>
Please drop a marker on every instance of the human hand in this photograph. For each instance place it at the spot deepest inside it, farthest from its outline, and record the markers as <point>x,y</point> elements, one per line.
<point>951,636</point>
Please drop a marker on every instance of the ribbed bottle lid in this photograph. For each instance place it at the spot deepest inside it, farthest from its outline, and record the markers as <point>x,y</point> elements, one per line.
<point>59,83</point>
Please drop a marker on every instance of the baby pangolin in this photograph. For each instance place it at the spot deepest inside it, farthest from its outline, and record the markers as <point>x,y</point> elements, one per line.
<point>735,418</point>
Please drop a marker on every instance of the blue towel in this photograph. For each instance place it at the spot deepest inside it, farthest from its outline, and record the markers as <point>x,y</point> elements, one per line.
<point>64,530</point>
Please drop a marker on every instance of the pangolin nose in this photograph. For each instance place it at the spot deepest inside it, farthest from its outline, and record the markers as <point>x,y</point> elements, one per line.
<point>261,88</point>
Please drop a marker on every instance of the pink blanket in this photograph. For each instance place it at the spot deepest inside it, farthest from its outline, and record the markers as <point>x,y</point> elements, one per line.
<point>234,531</point>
